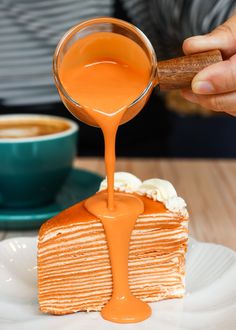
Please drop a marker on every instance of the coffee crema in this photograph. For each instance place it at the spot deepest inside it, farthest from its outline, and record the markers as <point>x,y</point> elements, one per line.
<point>30,127</point>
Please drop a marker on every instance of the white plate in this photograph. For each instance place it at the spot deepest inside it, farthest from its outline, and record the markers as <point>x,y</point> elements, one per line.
<point>210,302</point>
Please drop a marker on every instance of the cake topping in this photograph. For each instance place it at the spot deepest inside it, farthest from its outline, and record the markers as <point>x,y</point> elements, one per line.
<point>162,191</point>
<point>123,182</point>
<point>155,189</point>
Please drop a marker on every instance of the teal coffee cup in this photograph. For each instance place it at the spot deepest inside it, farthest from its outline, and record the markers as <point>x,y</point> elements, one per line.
<point>36,156</point>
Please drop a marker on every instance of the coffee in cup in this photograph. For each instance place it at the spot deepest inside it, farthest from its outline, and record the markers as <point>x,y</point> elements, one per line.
<point>36,156</point>
<point>31,127</point>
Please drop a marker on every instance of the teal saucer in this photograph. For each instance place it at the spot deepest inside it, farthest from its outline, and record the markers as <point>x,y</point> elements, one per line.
<point>79,185</point>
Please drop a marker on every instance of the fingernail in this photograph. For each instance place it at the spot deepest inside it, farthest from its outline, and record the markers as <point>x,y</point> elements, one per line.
<point>203,87</point>
<point>196,38</point>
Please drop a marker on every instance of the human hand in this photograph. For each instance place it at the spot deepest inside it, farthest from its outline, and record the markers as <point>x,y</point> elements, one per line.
<point>215,86</point>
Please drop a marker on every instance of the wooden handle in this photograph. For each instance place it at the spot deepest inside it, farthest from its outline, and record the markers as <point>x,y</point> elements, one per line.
<point>177,73</point>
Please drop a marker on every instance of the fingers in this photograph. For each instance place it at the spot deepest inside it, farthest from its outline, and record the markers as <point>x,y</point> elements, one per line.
<point>217,78</point>
<point>215,86</point>
<point>220,103</point>
<point>223,38</point>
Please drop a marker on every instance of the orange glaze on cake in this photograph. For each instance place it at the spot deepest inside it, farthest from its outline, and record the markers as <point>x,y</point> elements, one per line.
<point>74,269</point>
<point>118,225</point>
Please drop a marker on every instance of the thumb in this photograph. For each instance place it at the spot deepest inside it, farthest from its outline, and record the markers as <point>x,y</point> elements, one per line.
<point>217,78</point>
<point>223,38</point>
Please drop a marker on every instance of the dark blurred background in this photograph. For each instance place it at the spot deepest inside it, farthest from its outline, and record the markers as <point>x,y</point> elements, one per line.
<point>168,126</point>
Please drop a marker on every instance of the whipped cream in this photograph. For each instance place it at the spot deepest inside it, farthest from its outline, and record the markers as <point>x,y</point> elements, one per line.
<point>123,182</point>
<point>155,189</point>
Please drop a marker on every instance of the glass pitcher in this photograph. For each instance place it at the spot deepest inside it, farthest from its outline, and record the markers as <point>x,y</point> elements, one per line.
<point>171,74</point>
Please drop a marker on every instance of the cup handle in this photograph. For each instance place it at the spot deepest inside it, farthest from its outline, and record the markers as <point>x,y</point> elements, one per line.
<point>177,73</point>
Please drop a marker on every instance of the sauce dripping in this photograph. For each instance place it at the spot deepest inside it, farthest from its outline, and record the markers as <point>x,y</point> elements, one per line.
<point>118,224</point>
<point>105,72</point>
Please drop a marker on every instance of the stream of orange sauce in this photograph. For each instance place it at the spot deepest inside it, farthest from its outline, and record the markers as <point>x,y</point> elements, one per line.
<point>105,72</point>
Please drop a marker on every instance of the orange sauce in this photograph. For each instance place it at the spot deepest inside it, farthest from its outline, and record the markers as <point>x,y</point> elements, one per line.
<point>105,72</point>
<point>118,225</point>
